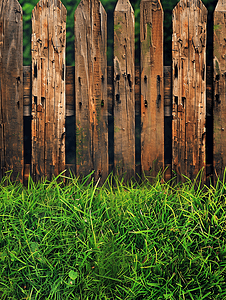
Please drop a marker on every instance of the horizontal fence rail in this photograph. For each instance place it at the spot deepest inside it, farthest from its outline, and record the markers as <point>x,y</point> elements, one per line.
<point>70,111</point>
<point>127,119</point>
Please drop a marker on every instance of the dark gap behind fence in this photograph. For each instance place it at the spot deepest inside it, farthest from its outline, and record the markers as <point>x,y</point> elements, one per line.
<point>209,92</point>
<point>27,140</point>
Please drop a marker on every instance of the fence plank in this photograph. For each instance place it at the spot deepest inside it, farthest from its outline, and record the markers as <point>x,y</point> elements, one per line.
<point>189,87</point>
<point>124,98</point>
<point>11,88</point>
<point>219,108</point>
<point>48,88</point>
<point>168,122</point>
<point>91,89</point>
<point>152,90</point>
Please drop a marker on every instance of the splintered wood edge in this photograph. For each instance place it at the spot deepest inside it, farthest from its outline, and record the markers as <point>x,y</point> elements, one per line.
<point>221,6</point>
<point>124,5</point>
<point>190,3</point>
<point>55,2</point>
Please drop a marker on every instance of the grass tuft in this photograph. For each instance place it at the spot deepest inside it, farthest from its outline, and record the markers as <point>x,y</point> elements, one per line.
<point>123,241</point>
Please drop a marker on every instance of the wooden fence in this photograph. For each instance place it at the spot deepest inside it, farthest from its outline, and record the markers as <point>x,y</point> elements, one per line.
<point>118,109</point>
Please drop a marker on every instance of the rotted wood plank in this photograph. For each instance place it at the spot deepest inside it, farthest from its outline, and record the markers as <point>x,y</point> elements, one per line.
<point>91,106</point>
<point>219,108</point>
<point>11,89</point>
<point>48,88</point>
<point>189,87</point>
<point>152,91</point>
<point>124,90</point>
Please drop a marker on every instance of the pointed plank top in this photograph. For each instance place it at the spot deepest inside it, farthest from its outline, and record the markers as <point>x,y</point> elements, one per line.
<point>124,5</point>
<point>49,3</point>
<point>188,3</point>
<point>156,4</point>
<point>7,6</point>
<point>221,5</point>
<point>87,3</point>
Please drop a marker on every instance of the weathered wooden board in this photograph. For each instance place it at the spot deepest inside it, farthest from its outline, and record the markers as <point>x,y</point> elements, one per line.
<point>48,88</point>
<point>91,106</point>
<point>189,87</point>
<point>167,122</point>
<point>152,92</point>
<point>124,92</point>
<point>11,88</point>
<point>70,91</point>
<point>27,91</point>
<point>219,108</point>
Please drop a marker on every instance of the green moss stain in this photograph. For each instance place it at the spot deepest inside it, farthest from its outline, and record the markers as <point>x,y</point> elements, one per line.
<point>217,31</point>
<point>116,129</point>
<point>217,130</point>
<point>217,68</point>
<point>147,42</point>
<point>216,27</point>
<point>118,28</point>
<point>81,143</point>
<point>216,51</point>
<point>116,65</point>
<point>98,117</point>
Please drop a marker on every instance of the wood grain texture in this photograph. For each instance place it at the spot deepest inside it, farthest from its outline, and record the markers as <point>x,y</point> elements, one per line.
<point>48,88</point>
<point>167,91</point>
<point>152,91</point>
<point>91,106</point>
<point>219,108</point>
<point>70,91</point>
<point>189,87</point>
<point>11,89</point>
<point>27,91</point>
<point>124,90</point>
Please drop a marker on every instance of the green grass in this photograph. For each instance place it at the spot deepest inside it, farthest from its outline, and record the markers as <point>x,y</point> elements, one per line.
<point>82,241</point>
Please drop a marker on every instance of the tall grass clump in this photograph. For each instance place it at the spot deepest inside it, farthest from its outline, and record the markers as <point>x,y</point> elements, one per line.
<point>81,241</point>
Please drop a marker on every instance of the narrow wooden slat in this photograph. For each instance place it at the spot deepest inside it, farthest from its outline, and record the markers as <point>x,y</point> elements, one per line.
<point>27,90</point>
<point>189,87</point>
<point>11,88</point>
<point>48,88</point>
<point>70,91</point>
<point>152,92</point>
<point>219,108</point>
<point>91,89</point>
<point>167,122</point>
<point>167,91</point>
<point>110,96</point>
<point>209,124</point>
<point>124,92</point>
